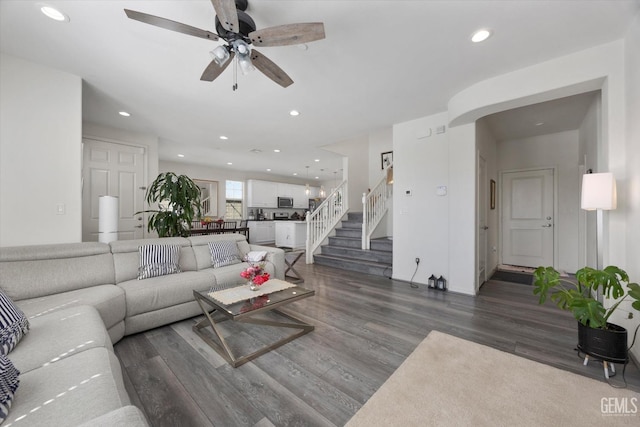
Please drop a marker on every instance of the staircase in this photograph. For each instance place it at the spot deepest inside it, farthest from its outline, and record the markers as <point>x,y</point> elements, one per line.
<point>344,250</point>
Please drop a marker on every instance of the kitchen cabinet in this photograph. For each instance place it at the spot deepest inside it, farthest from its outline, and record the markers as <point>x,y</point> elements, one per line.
<point>291,234</point>
<point>262,194</point>
<point>261,232</point>
<point>300,197</point>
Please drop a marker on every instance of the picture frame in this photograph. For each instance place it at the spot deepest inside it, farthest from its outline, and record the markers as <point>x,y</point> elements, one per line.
<point>386,159</point>
<point>492,196</point>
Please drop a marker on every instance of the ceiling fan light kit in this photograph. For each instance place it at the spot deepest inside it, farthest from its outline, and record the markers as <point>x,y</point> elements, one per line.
<point>238,30</point>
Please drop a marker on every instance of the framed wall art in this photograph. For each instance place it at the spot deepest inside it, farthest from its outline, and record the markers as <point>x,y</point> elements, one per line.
<point>387,159</point>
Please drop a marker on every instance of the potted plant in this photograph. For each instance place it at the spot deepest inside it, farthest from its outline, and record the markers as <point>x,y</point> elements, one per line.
<point>178,199</point>
<point>596,336</point>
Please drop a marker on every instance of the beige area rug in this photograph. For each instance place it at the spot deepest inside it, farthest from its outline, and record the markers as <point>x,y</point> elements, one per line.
<point>448,381</point>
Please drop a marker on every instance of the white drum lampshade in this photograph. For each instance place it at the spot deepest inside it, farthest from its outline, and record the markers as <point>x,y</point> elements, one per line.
<point>598,191</point>
<point>107,219</point>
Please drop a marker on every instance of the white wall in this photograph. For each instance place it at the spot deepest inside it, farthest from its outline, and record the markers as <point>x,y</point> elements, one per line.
<point>40,154</point>
<point>630,203</point>
<point>559,151</point>
<point>487,148</point>
<point>589,140</point>
<point>356,169</point>
<point>421,220</point>
<point>380,141</point>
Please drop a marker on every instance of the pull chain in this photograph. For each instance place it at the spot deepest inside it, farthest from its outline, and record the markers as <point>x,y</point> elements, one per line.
<point>235,73</point>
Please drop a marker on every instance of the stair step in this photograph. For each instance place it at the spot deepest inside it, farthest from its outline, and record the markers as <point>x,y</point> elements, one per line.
<point>346,242</point>
<point>358,254</point>
<point>354,216</point>
<point>367,267</point>
<point>382,244</point>
<point>349,232</point>
<point>352,224</point>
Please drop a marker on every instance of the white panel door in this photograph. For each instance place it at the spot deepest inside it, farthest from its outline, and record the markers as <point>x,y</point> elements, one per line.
<point>110,169</point>
<point>527,218</point>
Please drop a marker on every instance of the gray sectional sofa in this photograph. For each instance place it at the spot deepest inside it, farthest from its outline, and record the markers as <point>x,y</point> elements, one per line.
<point>80,299</point>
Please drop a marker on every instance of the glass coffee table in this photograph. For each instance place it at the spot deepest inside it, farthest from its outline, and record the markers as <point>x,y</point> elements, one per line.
<point>240,304</point>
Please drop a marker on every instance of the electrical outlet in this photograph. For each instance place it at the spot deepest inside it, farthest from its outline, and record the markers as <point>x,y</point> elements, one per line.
<point>417,260</point>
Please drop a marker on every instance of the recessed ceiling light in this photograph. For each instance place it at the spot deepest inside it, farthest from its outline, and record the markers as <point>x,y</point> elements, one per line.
<point>295,173</point>
<point>316,160</point>
<point>54,13</point>
<point>317,177</point>
<point>276,151</point>
<point>480,36</point>
<point>224,137</point>
<point>180,155</point>
<point>539,123</point>
<point>294,113</point>
<point>229,163</point>
<point>269,170</point>
<point>124,113</point>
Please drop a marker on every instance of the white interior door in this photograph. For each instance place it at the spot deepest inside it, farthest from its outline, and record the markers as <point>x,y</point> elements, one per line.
<point>482,222</point>
<point>110,169</point>
<point>527,218</point>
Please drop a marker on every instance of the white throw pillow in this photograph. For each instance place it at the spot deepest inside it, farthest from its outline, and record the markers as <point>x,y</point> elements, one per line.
<point>256,256</point>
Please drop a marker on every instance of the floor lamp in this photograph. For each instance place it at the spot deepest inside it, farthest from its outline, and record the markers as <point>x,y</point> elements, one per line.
<point>598,194</point>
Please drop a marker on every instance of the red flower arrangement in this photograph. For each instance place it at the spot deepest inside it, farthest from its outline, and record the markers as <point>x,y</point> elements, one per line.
<point>255,274</point>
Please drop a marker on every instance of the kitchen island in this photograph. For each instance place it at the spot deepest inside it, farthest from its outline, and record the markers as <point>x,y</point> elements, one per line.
<point>291,234</point>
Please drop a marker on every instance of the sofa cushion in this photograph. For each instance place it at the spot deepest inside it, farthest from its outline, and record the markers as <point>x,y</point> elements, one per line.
<point>200,246</point>
<point>13,324</point>
<point>129,416</point>
<point>9,382</point>
<point>224,253</point>
<point>72,391</point>
<point>126,258</point>
<point>107,299</point>
<point>35,271</point>
<point>164,291</point>
<point>60,334</point>
<point>158,260</point>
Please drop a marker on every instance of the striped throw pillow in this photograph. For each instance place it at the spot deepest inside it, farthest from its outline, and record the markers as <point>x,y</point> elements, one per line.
<point>8,385</point>
<point>224,253</point>
<point>158,260</point>
<point>13,324</point>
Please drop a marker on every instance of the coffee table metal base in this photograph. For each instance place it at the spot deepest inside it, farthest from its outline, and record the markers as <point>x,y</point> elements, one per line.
<point>223,348</point>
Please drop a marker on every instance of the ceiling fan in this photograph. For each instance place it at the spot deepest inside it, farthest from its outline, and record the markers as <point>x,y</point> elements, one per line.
<point>238,30</point>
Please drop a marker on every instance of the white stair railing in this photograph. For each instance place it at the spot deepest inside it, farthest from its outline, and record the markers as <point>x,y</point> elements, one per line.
<point>205,206</point>
<point>324,219</point>
<point>374,205</point>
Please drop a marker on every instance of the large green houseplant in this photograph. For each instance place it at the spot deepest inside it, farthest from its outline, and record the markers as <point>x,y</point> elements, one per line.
<point>596,335</point>
<point>178,199</point>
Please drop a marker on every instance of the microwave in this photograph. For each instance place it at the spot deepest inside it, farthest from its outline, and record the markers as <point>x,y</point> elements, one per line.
<point>285,202</point>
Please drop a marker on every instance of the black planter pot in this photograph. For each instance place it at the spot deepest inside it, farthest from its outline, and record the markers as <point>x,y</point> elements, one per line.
<point>605,344</point>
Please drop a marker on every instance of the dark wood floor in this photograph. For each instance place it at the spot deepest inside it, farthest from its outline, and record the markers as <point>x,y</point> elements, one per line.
<point>365,328</point>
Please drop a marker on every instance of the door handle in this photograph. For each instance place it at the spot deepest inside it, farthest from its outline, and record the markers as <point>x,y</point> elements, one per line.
<point>137,226</point>
<point>547,225</point>
<point>485,227</point>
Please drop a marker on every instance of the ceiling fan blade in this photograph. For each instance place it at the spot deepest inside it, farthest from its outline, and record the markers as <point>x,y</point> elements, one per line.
<point>213,70</point>
<point>227,14</point>
<point>270,69</point>
<point>170,25</point>
<point>288,34</point>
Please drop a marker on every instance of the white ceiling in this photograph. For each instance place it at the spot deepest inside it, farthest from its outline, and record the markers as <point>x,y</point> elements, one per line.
<point>382,62</point>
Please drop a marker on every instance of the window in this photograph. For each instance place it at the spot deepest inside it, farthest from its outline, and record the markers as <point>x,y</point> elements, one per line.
<point>234,192</point>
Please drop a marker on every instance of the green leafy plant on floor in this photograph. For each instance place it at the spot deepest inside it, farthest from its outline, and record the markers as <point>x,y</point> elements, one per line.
<point>178,199</point>
<point>579,295</point>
